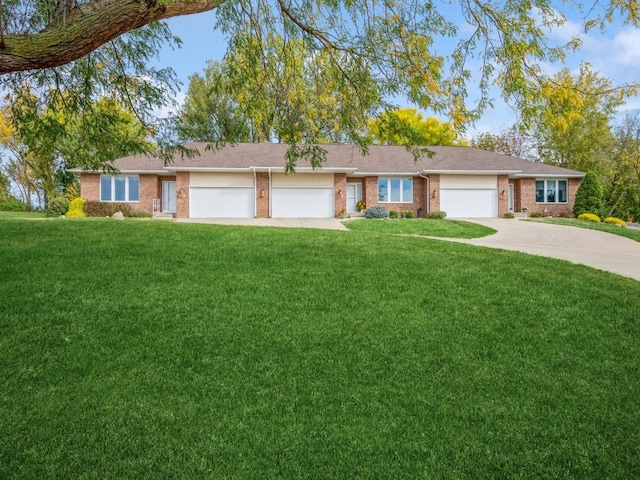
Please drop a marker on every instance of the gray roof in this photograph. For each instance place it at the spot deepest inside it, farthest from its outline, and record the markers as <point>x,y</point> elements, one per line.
<point>347,158</point>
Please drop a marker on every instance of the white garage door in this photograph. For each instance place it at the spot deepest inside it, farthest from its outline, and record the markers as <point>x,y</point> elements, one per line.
<point>210,202</point>
<point>302,203</point>
<point>469,203</point>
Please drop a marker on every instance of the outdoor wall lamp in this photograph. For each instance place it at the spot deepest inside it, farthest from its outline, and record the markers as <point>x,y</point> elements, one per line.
<point>182,193</point>
<point>340,194</point>
<point>434,194</point>
<point>262,193</point>
<point>503,195</point>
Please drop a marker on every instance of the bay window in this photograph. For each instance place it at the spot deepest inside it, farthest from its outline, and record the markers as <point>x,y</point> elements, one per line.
<point>395,190</point>
<point>119,188</point>
<point>551,191</point>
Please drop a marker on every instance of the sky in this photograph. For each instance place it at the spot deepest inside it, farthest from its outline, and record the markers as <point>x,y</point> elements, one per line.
<point>615,55</point>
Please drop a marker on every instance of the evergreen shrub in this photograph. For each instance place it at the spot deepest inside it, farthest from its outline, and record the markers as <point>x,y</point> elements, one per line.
<point>57,207</point>
<point>376,212</point>
<point>590,217</point>
<point>438,214</point>
<point>588,196</point>
<point>616,221</point>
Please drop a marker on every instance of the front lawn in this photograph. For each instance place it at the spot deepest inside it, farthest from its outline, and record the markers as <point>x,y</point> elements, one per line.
<point>631,233</point>
<point>422,227</point>
<point>172,350</point>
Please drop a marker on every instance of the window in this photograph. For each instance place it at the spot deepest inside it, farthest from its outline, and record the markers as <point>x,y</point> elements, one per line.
<point>551,191</point>
<point>116,188</point>
<point>395,190</point>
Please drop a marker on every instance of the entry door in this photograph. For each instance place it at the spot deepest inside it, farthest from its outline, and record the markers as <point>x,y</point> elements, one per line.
<point>168,196</point>
<point>511,197</point>
<point>354,195</point>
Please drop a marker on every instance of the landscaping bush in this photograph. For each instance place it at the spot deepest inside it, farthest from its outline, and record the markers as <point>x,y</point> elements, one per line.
<point>57,207</point>
<point>407,214</point>
<point>565,215</point>
<point>589,217</point>
<point>361,206</point>
<point>536,215</point>
<point>376,212</point>
<point>615,221</point>
<point>439,215</point>
<point>509,215</point>
<point>588,196</point>
<point>140,214</point>
<point>76,208</point>
<point>106,209</point>
<point>75,214</point>
<point>12,204</point>
<point>393,214</point>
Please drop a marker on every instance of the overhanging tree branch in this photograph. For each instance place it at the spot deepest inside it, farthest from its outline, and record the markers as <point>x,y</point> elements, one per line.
<point>87,27</point>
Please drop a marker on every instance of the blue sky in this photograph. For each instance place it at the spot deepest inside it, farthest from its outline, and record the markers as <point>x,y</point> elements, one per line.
<point>615,55</point>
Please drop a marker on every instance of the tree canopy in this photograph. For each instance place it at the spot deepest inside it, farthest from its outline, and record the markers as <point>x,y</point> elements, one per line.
<point>365,53</point>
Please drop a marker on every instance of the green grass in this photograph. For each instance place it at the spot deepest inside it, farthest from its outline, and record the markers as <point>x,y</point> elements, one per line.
<point>422,227</point>
<point>21,215</point>
<point>168,350</point>
<point>631,233</point>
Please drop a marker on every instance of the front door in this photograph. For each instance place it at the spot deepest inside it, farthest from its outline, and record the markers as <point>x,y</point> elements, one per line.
<point>354,195</point>
<point>168,196</point>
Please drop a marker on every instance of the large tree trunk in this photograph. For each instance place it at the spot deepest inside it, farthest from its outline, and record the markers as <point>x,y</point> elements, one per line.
<point>86,27</point>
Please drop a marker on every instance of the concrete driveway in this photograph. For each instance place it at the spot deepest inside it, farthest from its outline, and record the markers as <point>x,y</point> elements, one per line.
<point>604,251</point>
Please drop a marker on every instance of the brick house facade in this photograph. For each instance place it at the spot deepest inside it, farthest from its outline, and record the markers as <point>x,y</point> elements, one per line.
<point>248,180</point>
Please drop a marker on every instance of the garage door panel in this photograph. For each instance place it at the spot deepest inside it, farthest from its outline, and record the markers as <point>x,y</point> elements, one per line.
<point>302,203</point>
<point>222,203</point>
<point>469,203</point>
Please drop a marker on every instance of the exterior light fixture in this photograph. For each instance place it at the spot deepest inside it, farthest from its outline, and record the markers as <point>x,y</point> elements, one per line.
<point>262,194</point>
<point>340,194</point>
<point>182,193</point>
<point>434,194</point>
<point>503,195</point>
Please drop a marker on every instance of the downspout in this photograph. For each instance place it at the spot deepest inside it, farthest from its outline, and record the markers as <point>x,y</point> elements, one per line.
<point>428,199</point>
<point>255,193</point>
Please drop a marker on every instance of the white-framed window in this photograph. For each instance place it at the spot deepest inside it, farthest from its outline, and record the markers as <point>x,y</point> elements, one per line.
<point>551,191</point>
<point>395,190</point>
<point>119,188</point>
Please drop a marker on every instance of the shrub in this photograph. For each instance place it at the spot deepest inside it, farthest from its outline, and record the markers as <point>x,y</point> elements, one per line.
<point>408,214</point>
<point>565,215</point>
<point>590,217</point>
<point>77,204</point>
<point>140,214</point>
<point>536,215</point>
<point>12,204</point>
<point>376,212</point>
<point>588,196</point>
<point>439,215</point>
<point>106,209</point>
<point>361,205</point>
<point>509,215</point>
<point>393,214</point>
<point>57,207</point>
<point>75,214</point>
<point>615,221</point>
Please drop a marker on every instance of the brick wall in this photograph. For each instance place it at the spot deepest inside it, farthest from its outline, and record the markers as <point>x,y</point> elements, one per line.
<point>262,202</point>
<point>90,187</point>
<point>526,194</point>
<point>340,185</point>
<point>434,186</point>
<point>182,201</point>
<point>503,199</point>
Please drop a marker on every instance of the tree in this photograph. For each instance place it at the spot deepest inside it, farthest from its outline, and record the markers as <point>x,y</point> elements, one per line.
<point>43,143</point>
<point>571,119</point>
<point>622,190</point>
<point>509,142</point>
<point>588,196</point>
<point>376,50</point>
<point>406,126</point>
